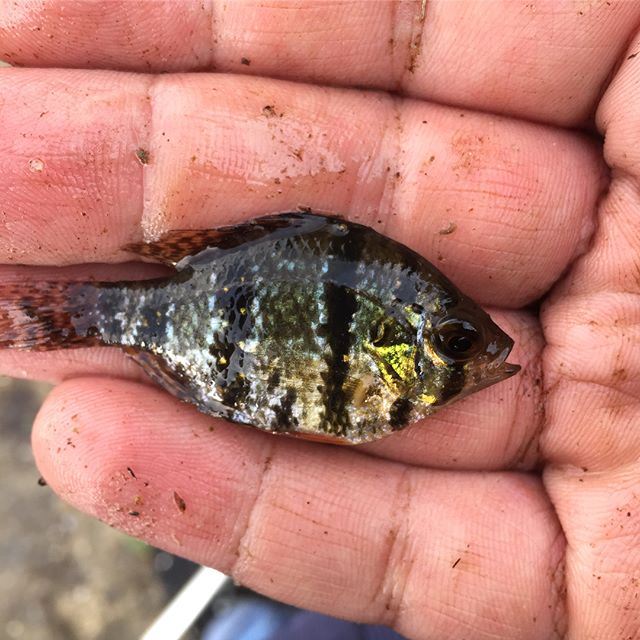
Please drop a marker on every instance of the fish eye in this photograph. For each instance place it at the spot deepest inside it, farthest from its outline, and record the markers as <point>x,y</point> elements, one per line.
<point>457,339</point>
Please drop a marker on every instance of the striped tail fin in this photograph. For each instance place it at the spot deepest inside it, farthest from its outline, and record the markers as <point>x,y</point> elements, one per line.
<point>43,315</point>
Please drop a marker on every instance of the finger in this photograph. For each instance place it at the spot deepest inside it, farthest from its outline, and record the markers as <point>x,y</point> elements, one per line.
<point>592,322</point>
<point>499,206</point>
<point>496,428</point>
<point>599,514</point>
<point>425,49</point>
<point>592,364</point>
<point>592,370</point>
<point>430,553</point>
<point>70,179</point>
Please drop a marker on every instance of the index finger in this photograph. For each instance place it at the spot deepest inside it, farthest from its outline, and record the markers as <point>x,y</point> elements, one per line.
<point>90,161</point>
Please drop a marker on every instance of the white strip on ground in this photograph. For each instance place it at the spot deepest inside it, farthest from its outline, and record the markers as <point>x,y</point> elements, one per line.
<point>186,606</point>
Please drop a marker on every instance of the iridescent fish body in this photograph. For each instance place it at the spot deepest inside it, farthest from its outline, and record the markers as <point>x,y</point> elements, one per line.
<point>296,323</point>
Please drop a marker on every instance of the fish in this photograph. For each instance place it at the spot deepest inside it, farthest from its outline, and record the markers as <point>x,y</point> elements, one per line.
<point>295,323</point>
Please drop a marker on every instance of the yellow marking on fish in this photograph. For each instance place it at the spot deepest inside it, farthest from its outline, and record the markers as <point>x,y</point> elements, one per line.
<point>433,355</point>
<point>401,358</point>
<point>359,388</point>
<point>413,316</point>
<point>396,363</point>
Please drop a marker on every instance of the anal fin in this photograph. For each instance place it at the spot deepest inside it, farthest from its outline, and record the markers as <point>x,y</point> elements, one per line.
<point>177,384</point>
<point>156,368</point>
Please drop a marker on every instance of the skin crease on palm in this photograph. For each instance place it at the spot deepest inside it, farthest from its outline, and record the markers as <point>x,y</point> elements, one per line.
<point>513,514</point>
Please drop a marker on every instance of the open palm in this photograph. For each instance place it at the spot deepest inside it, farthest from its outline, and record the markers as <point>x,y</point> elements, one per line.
<point>513,514</point>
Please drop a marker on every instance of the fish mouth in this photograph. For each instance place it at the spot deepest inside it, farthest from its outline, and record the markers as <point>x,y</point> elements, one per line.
<point>506,370</point>
<point>490,375</point>
<point>497,373</point>
<point>500,369</point>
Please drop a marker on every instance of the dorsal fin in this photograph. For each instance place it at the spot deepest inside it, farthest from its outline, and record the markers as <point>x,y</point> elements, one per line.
<point>177,245</point>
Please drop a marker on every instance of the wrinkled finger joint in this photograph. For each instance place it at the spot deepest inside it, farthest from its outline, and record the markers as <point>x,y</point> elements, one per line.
<point>395,559</point>
<point>243,551</point>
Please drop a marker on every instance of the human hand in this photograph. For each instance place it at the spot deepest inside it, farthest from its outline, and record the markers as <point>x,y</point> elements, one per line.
<point>443,530</point>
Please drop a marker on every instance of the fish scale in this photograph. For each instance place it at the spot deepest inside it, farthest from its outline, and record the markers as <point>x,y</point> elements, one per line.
<point>297,323</point>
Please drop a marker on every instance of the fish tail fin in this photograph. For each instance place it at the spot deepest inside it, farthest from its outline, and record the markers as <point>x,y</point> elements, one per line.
<point>42,315</point>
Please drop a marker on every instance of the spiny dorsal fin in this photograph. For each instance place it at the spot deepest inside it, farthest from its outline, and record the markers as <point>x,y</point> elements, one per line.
<point>177,245</point>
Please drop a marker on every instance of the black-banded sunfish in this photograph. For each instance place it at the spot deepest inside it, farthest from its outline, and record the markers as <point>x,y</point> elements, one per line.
<point>296,323</point>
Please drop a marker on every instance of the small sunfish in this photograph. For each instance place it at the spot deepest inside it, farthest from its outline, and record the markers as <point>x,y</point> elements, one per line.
<point>296,323</point>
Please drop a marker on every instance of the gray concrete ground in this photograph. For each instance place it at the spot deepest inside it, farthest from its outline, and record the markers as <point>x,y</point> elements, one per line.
<point>63,575</point>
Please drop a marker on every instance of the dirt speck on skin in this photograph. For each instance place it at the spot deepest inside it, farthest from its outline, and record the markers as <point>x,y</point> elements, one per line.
<point>36,165</point>
<point>415,40</point>
<point>269,111</point>
<point>470,151</point>
<point>619,375</point>
<point>142,155</point>
<point>449,229</point>
<point>180,503</point>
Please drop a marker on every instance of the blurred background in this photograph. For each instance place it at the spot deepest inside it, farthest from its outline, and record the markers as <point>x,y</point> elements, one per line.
<point>63,575</point>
